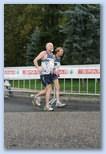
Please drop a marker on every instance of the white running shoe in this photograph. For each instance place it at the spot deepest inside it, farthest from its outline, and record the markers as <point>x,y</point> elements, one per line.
<point>59,104</point>
<point>48,108</point>
<point>36,101</point>
<point>32,95</point>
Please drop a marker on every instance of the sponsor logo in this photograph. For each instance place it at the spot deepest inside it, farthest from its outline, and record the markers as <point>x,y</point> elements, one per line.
<point>30,72</point>
<point>88,71</point>
<point>71,71</point>
<point>10,72</point>
<point>63,71</point>
<point>17,72</point>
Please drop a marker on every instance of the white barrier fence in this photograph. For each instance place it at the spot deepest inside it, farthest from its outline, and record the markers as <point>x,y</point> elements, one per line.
<point>74,79</point>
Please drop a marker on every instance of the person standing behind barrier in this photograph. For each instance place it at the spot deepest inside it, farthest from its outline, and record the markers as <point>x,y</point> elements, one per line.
<point>57,57</point>
<point>7,86</point>
<point>47,66</point>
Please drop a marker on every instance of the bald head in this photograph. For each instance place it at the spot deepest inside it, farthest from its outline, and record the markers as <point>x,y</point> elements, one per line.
<point>49,46</point>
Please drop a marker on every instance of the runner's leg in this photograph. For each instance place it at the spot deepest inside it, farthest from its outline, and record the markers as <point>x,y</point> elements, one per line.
<point>47,97</point>
<point>42,92</point>
<point>57,88</point>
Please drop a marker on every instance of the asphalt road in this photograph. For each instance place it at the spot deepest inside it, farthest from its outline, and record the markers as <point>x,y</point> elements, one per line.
<point>24,104</point>
<point>76,126</point>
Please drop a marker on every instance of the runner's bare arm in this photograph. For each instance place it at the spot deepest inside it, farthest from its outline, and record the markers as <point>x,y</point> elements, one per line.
<point>39,57</point>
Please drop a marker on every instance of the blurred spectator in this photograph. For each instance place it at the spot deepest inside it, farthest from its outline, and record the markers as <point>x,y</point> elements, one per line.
<point>7,88</point>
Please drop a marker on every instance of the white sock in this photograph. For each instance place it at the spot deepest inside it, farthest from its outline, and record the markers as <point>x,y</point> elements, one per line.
<point>58,102</point>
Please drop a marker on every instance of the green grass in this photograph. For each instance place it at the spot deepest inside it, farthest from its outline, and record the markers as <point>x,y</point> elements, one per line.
<point>36,84</point>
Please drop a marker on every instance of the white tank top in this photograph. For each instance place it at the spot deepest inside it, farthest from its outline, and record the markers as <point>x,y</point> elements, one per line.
<point>47,64</point>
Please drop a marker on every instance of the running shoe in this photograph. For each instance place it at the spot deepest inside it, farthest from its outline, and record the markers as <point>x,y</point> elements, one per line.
<point>48,108</point>
<point>36,101</point>
<point>59,104</point>
<point>32,95</point>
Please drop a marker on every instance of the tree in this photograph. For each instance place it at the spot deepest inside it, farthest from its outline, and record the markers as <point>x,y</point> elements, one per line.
<point>51,23</point>
<point>82,34</point>
<point>13,49</point>
<point>76,27</point>
<point>49,30</point>
<point>32,47</point>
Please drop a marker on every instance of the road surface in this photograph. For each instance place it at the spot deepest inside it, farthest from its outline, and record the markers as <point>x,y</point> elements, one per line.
<point>77,126</point>
<point>24,104</point>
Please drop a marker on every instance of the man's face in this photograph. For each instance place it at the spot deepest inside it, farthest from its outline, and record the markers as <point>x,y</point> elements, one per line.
<point>49,47</point>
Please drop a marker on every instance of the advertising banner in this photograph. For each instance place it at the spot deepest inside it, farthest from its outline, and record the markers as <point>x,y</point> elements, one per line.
<point>65,71</point>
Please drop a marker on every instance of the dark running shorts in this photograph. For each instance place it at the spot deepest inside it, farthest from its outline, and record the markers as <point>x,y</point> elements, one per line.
<point>54,76</point>
<point>46,79</point>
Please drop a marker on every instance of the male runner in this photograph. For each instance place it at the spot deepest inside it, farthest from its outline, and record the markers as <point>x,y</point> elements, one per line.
<point>57,57</point>
<point>46,71</point>
<point>54,78</point>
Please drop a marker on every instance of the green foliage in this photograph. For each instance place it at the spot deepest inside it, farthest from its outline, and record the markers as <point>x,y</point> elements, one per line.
<point>32,47</point>
<point>82,43</point>
<point>27,27</point>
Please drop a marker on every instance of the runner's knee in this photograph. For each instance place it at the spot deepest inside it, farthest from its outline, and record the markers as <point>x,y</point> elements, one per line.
<point>57,87</point>
<point>48,88</point>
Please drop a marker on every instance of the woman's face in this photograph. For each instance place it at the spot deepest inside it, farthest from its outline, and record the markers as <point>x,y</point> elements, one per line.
<point>60,53</point>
